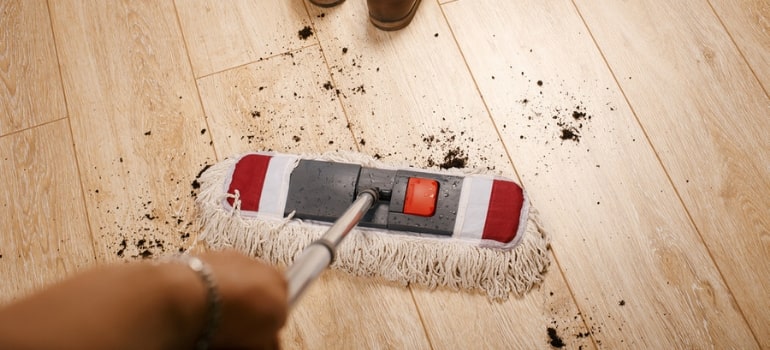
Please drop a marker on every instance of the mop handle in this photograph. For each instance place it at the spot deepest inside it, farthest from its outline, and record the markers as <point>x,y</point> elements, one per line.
<point>319,254</point>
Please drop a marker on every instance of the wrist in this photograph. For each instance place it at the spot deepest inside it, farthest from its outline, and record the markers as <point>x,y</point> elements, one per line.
<point>188,297</point>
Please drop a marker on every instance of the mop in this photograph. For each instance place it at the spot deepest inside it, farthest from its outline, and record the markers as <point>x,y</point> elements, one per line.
<point>456,228</point>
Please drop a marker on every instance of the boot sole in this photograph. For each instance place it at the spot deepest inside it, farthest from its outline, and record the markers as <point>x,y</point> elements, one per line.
<point>330,4</point>
<point>397,24</point>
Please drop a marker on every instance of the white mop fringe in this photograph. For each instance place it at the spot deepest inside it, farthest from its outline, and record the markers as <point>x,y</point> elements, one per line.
<point>405,259</point>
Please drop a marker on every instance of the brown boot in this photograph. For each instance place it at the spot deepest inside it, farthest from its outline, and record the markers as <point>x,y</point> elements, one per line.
<point>326,3</point>
<point>392,14</point>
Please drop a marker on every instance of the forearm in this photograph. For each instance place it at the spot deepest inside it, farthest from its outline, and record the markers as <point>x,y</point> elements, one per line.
<point>134,306</point>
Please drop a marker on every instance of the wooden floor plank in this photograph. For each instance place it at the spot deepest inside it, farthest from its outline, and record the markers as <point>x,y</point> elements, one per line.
<point>345,312</point>
<point>673,153</point>
<point>137,121</point>
<point>281,104</point>
<point>408,94</point>
<point>277,104</point>
<point>30,87</point>
<point>44,233</point>
<point>706,115</point>
<point>638,269</point>
<point>467,321</point>
<point>749,25</point>
<point>410,98</point>
<point>225,34</point>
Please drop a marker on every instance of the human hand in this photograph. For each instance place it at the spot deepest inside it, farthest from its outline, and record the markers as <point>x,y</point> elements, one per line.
<point>254,301</point>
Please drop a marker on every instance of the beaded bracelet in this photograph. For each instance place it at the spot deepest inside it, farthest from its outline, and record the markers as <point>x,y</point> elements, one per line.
<point>213,301</point>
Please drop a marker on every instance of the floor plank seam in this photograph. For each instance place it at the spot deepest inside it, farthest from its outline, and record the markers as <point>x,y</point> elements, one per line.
<point>241,65</point>
<point>481,96</point>
<point>83,197</point>
<point>31,127</point>
<point>666,172</point>
<point>217,156</point>
<point>420,316</point>
<point>331,77</point>
<point>580,312</point>
<point>87,212</point>
<point>513,165</point>
<point>358,148</point>
<point>738,48</point>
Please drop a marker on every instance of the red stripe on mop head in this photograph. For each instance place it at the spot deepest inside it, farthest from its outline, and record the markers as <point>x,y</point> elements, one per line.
<point>504,213</point>
<point>249,179</point>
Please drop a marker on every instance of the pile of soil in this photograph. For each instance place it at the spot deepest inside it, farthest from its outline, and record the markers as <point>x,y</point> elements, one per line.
<point>305,33</point>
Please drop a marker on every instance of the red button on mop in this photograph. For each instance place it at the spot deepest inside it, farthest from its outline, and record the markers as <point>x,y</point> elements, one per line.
<point>421,196</point>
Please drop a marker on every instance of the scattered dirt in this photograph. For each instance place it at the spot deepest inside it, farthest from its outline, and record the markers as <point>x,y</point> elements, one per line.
<point>359,89</point>
<point>552,103</point>
<point>453,155</point>
<point>577,114</point>
<point>555,339</point>
<point>570,128</point>
<point>454,158</point>
<point>569,133</point>
<point>142,223</point>
<point>123,245</point>
<point>203,170</point>
<point>145,248</point>
<point>195,184</point>
<point>305,33</point>
<point>567,328</point>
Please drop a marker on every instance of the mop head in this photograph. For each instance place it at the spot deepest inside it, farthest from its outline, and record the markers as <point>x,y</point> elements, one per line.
<point>497,244</point>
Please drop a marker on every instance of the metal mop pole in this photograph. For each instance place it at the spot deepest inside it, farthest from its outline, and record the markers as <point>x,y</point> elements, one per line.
<point>319,254</point>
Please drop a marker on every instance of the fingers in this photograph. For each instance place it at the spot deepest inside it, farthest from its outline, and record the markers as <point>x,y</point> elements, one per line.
<point>254,301</point>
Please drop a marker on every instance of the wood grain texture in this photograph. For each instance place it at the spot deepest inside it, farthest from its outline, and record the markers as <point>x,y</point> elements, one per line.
<point>30,87</point>
<point>409,98</point>
<point>637,267</point>
<point>469,321</point>
<point>708,126</point>
<point>225,34</point>
<point>277,104</point>
<point>749,26</point>
<point>658,212</point>
<point>281,104</point>
<point>408,94</point>
<point>137,122</point>
<point>345,312</point>
<point>44,233</point>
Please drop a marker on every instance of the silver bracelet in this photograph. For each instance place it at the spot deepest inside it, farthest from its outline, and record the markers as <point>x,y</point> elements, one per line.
<point>213,300</point>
